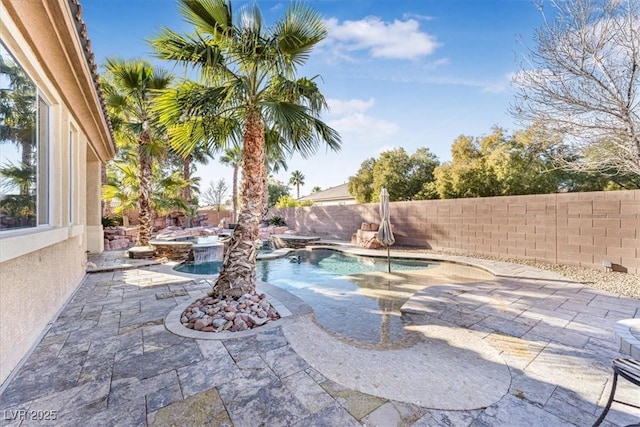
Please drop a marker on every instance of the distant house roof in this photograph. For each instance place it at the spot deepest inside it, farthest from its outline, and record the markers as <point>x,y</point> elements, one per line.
<point>336,193</point>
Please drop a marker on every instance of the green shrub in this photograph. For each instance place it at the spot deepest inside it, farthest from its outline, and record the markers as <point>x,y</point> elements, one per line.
<point>276,220</point>
<point>111,221</point>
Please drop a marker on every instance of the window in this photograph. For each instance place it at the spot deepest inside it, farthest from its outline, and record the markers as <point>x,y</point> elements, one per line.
<point>24,153</point>
<point>72,164</point>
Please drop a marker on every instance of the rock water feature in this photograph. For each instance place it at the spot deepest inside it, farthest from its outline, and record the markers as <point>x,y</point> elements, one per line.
<point>211,314</point>
<point>207,249</point>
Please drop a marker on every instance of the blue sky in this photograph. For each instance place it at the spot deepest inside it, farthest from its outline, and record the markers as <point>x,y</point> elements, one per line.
<point>396,73</point>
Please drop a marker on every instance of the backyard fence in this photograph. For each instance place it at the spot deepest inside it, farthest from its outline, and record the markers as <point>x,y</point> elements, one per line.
<point>586,229</point>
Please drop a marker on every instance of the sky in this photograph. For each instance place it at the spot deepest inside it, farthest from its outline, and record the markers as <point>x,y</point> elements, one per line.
<point>395,73</point>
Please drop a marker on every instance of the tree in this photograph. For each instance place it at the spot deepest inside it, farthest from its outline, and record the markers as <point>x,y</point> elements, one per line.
<point>130,88</point>
<point>581,83</point>
<point>287,201</point>
<point>316,189</point>
<point>297,179</point>
<point>215,194</point>
<point>405,177</point>
<point>277,189</point>
<point>248,84</point>
<point>233,157</point>
<point>123,185</point>
<point>500,164</point>
<point>361,184</point>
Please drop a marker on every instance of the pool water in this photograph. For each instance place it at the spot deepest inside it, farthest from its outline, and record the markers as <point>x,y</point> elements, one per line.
<point>210,267</point>
<point>354,297</point>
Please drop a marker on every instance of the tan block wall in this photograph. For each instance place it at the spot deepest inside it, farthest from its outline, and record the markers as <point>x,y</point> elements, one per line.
<point>575,228</point>
<point>32,290</point>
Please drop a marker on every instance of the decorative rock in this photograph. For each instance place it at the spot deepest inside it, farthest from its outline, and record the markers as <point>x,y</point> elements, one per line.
<point>257,320</point>
<point>211,314</point>
<point>239,325</point>
<point>218,323</point>
<point>202,323</point>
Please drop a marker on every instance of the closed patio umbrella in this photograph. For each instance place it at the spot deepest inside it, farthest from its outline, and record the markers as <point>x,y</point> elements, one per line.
<point>385,235</point>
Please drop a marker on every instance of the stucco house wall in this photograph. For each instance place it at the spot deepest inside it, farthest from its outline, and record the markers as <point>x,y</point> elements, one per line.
<point>40,267</point>
<point>574,229</point>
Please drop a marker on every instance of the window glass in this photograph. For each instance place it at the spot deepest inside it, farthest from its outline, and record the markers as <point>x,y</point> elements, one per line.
<point>72,152</point>
<point>24,127</point>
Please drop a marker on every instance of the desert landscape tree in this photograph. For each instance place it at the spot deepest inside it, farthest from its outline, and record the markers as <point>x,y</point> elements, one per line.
<point>248,83</point>
<point>405,176</point>
<point>215,193</point>
<point>297,179</point>
<point>130,88</point>
<point>581,81</point>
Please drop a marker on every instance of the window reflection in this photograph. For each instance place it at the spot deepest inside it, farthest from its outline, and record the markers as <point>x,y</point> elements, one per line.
<point>19,154</point>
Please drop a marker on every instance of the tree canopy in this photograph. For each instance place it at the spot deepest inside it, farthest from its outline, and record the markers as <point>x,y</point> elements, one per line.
<point>248,87</point>
<point>405,177</point>
<point>581,82</point>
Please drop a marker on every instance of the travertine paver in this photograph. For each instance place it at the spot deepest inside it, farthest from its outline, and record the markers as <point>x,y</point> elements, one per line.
<point>108,359</point>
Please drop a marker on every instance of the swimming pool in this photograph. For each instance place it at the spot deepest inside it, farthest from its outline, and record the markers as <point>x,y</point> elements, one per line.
<point>353,296</point>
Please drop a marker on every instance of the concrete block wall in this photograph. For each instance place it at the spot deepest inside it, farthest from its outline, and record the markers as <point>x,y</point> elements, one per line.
<point>573,228</point>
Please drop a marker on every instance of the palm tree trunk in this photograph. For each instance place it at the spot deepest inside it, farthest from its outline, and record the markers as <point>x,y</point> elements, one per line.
<point>234,192</point>
<point>144,195</point>
<point>105,205</point>
<point>186,174</point>
<point>186,190</point>
<point>238,271</point>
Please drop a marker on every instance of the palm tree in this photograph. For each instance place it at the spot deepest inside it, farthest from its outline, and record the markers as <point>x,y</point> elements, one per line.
<point>248,84</point>
<point>297,179</point>
<point>130,88</point>
<point>123,186</point>
<point>233,157</point>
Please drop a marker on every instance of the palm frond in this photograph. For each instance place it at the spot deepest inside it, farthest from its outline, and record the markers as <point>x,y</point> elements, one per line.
<point>302,131</point>
<point>300,30</point>
<point>214,17</point>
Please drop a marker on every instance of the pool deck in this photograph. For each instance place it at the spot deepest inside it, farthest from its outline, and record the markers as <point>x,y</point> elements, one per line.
<point>529,348</point>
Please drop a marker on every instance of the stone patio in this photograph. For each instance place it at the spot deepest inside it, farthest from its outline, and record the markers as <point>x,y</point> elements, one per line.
<point>546,345</point>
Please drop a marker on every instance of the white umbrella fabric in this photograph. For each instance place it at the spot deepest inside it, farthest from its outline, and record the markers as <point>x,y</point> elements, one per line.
<point>385,235</point>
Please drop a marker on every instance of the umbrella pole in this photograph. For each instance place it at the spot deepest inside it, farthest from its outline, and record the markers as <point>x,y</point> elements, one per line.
<point>388,260</point>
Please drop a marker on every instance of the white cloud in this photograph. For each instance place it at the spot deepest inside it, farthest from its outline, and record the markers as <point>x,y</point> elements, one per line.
<point>348,117</point>
<point>501,85</point>
<point>340,107</point>
<point>418,17</point>
<point>437,63</point>
<point>359,123</point>
<point>394,40</point>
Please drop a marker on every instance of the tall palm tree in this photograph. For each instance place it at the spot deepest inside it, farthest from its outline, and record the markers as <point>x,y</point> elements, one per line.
<point>297,179</point>
<point>233,157</point>
<point>130,88</point>
<point>248,84</point>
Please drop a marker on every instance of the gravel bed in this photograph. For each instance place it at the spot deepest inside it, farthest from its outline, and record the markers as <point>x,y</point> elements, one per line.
<point>618,283</point>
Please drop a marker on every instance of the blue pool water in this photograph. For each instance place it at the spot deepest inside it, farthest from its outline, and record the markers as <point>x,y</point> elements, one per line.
<point>351,296</point>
